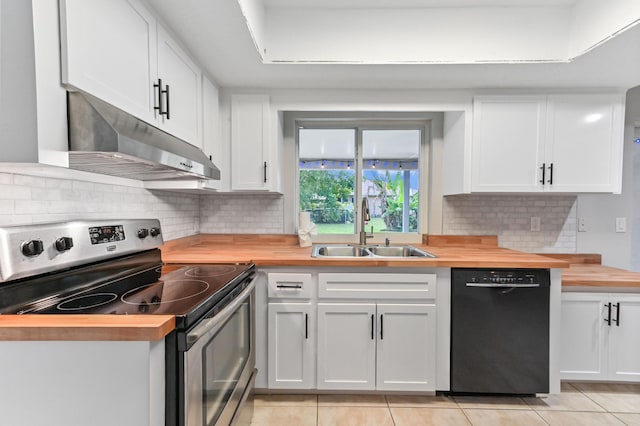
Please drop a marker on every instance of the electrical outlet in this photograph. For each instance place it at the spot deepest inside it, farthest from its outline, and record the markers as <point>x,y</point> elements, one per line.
<point>535,224</point>
<point>621,224</point>
<point>582,224</point>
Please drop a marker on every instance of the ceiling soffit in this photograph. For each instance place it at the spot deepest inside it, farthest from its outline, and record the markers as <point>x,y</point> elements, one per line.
<point>438,32</point>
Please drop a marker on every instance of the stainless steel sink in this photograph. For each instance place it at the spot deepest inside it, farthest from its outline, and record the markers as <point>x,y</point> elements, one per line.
<point>353,250</point>
<point>339,251</point>
<point>398,251</point>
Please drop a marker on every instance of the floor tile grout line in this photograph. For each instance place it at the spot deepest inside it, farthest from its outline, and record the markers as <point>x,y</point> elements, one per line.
<point>543,419</point>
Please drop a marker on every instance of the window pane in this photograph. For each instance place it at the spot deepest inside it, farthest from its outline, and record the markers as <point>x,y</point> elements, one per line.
<point>327,178</point>
<point>391,178</point>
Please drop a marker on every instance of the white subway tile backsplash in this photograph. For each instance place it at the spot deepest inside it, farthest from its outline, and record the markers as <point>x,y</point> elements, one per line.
<point>242,213</point>
<point>28,199</point>
<point>509,217</point>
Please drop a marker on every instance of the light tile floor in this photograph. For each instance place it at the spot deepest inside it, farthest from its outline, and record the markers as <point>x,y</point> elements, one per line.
<point>579,404</point>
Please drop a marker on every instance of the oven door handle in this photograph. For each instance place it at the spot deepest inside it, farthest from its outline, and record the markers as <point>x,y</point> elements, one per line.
<point>218,319</point>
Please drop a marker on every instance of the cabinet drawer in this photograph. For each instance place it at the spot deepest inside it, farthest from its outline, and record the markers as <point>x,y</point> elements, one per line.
<point>381,286</point>
<point>289,285</point>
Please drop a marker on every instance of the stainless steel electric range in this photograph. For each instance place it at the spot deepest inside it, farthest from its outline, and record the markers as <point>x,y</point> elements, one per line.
<point>115,267</point>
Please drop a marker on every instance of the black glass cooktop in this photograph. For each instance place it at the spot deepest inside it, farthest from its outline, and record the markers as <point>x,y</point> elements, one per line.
<point>187,291</point>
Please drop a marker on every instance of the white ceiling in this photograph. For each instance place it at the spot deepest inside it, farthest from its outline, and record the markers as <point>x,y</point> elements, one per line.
<point>216,33</point>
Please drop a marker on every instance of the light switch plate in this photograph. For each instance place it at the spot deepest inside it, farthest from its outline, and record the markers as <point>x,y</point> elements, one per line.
<point>582,225</point>
<point>621,224</point>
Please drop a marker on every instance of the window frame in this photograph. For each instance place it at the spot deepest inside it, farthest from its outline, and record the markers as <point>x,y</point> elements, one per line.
<point>359,126</point>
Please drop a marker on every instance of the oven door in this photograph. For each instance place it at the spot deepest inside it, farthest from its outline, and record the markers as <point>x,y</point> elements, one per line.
<point>220,363</point>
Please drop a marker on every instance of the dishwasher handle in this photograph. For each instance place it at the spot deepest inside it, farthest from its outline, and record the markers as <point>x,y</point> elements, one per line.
<point>497,285</point>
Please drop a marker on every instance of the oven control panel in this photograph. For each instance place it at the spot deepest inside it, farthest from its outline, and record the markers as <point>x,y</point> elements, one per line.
<point>106,234</point>
<point>36,249</point>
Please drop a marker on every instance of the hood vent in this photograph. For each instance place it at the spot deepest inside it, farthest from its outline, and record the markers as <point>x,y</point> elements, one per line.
<point>104,139</point>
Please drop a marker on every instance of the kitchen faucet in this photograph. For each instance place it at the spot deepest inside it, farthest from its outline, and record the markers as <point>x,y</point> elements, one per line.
<point>364,217</point>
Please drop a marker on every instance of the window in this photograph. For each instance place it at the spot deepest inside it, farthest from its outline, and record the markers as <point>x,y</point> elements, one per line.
<point>341,164</point>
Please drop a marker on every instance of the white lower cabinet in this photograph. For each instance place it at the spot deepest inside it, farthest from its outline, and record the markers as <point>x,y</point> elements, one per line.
<point>366,346</point>
<point>600,337</point>
<point>346,346</point>
<point>406,351</point>
<point>291,355</point>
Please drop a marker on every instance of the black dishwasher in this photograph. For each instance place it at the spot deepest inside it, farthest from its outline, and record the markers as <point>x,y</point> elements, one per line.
<point>500,331</point>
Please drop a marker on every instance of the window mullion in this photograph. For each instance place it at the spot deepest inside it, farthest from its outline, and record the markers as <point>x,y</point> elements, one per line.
<point>358,180</point>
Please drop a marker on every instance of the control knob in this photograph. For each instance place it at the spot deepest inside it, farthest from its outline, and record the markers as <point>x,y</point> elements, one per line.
<point>154,232</point>
<point>32,248</point>
<point>64,244</point>
<point>142,233</point>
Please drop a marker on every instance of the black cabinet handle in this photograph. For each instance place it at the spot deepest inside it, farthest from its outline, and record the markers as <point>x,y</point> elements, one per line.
<point>159,87</point>
<point>550,174</point>
<point>167,112</point>
<point>543,168</point>
<point>617,320</point>
<point>161,106</point>
<point>265,172</point>
<point>306,326</point>
<point>372,327</point>
<point>608,320</point>
<point>381,327</point>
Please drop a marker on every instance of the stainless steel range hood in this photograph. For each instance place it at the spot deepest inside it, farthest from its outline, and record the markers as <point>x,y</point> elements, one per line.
<point>104,139</point>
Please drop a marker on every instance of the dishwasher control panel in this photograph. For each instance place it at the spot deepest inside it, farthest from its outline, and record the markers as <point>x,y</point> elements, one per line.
<point>503,276</point>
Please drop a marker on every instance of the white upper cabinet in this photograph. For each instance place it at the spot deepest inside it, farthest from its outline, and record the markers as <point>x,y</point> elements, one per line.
<point>117,51</point>
<point>584,143</point>
<point>109,49</point>
<point>182,88</point>
<point>253,151</point>
<point>555,143</point>
<point>211,135</point>
<point>508,143</point>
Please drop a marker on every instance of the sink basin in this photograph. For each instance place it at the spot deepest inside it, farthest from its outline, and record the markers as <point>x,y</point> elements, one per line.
<point>398,251</point>
<point>340,251</point>
<point>346,250</point>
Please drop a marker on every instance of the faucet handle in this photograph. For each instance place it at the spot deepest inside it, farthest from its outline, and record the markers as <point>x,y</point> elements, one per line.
<point>386,242</point>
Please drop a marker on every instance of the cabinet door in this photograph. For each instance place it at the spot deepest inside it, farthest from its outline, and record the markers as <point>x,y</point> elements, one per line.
<point>183,79</point>
<point>508,144</point>
<point>250,165</point>
<point>624,339</point>
<point>109,50</point>
<point>406,347</point>
<point>584,135</point>
<point>346,346</point>
<point>584,335</point>
<point>211,136</point>
<point>291,355</point>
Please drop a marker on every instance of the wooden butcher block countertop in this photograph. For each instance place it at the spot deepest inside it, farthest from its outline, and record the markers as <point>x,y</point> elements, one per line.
<point>283,250</point>
<point>586,271</point>
<point>86,327</point>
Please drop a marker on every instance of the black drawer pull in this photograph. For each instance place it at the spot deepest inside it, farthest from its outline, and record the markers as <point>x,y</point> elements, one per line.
<point>289,285</point>
<point>381,327</point>
<point>608,319</point>
<point>372,327</point>
<point>617,320</point>
<point>306,326</point>
<point>543,168</point>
